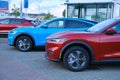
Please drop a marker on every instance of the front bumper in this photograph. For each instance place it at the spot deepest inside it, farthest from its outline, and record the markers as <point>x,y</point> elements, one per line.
<point>53,51</point>
<point>47,56</point>
<point>11,39</point>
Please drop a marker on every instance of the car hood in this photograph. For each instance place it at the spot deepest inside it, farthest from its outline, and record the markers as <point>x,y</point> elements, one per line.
<point>69,33</point>
<point>25,28</point>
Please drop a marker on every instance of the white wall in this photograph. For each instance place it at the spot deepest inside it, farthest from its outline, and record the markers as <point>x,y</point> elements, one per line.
<point>89,1</point>
<point>116,10</point>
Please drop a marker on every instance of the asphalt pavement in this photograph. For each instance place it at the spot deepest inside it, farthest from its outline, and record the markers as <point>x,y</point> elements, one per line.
<point>16,65</point>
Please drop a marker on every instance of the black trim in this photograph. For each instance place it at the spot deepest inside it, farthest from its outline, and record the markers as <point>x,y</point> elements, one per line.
<point>108,60</point>
<point>79,42</point>
<point>25,34</point>
<point>46,56</point>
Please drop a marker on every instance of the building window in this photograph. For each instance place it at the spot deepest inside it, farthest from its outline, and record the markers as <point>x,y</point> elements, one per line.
<point>73,11</point>
<point>96,12</point>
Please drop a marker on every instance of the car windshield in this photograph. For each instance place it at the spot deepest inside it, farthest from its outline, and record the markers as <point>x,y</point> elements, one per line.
<point>43,24</point>
<point>100,26</point>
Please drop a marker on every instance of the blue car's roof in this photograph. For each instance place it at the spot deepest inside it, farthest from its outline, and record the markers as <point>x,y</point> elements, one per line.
<point>76,19</point>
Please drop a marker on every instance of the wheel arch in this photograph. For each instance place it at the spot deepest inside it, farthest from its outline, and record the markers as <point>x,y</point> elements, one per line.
<point>78,43</point>
<point>24,35</point>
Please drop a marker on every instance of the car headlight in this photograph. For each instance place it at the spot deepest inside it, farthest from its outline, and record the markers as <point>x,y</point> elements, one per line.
<point>57,40</point>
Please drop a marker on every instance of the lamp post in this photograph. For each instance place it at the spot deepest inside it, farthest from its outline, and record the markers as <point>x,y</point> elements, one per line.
<point>21,13</point>
<point>39,6</point>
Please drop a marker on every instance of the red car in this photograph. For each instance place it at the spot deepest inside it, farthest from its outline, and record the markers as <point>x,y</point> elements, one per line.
<point>100,43</point>
<point>8,24</point>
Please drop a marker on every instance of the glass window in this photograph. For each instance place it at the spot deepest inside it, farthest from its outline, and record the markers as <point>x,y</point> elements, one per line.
<point>90,13</point>
<point>97,12</point>
<point>5,21</point>
<point>75,24</point>
<point>117,27</point>
<point>100,26</point>
<point>102,14</point>
<point>56,24</point>
<point>15,21</point>
<point>73,11</point>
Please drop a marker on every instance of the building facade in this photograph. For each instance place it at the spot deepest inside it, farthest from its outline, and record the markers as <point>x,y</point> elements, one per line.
<point>4,14</point>
<point>97,10</point>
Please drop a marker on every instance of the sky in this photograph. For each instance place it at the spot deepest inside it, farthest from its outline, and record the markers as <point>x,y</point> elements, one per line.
<point>55,7</point>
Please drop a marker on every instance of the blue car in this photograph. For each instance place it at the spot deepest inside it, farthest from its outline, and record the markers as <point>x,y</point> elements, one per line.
<point>24,39</point>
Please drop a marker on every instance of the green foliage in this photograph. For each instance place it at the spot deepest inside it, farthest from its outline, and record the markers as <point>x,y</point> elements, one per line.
<point>48,16</point>
<point>64,12</point>
<point>15,11</point>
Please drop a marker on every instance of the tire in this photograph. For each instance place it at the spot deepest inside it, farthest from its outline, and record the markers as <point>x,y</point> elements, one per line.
<point>76,58</point>
<point>24,43</point>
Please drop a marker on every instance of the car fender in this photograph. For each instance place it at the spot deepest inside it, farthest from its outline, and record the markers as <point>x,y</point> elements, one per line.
<point>24,34</point>
<point>78,43</point>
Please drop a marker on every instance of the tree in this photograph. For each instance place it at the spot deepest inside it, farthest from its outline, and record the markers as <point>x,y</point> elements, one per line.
<point>48,16</point>
<point>15,11</point>
<point>64,12</point>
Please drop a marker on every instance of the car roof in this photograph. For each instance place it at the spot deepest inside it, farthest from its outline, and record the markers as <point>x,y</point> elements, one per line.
<point>13,18</point>
<point>68,18</point>
<point>78,19</point>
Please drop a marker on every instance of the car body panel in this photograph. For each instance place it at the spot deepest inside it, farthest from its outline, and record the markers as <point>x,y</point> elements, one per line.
<point>102,46</point>
<point>110,46</point>
<point>8,24</point>
<point>73,38</point>
<point>42,31</point>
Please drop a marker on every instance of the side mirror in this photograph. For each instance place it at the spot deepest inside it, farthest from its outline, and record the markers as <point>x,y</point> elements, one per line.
<point>45,26</point>
<point>111,31</point>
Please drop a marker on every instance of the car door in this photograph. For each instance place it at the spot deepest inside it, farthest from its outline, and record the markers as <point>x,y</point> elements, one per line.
<point>58,26</point>
<point>14,23</point>
<point>48,29</point>
<point>110,44</point>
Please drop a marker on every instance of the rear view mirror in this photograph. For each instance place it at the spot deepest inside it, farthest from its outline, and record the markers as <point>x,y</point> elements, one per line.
<point>111,31</point>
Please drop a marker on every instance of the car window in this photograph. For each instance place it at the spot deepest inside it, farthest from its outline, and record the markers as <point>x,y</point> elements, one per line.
<point>76,24</point>
<point>100,26</point>
<point>5,21</point>
<point>117,27</point>
<point>56,24</point>
<point>15,21</point>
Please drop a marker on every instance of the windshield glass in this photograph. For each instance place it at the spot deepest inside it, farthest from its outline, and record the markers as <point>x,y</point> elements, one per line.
<point>100,26</point>
<point>43,24</point>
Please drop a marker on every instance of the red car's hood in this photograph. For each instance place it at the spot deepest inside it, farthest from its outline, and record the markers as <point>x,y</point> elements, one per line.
<point>67,33</point>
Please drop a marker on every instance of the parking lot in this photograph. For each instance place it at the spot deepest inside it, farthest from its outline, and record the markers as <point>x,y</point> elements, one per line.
<point>16,65</point>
